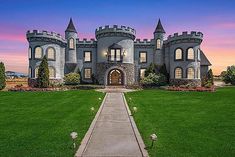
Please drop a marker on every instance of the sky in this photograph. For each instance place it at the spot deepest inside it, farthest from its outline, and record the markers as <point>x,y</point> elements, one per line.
<point>214,18</point>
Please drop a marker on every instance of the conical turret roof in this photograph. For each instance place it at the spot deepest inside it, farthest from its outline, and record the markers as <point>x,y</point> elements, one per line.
<point>71,27</point>
<point>159,28</point>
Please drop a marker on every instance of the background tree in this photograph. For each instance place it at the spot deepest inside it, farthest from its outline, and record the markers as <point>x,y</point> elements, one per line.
<point>43,74</point>
<point>2,76</point>
<point>229,75</point>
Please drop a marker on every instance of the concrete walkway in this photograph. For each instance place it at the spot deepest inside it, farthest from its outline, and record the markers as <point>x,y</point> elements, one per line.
<point>112,132</point>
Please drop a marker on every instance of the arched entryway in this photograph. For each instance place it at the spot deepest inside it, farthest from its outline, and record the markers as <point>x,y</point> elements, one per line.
<point>115,77</point>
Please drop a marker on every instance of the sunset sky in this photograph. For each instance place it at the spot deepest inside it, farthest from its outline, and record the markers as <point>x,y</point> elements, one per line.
<point>214,18</point>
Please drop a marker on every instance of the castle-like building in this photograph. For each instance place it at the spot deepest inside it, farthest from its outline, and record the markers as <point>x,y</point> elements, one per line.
<point>116,57</point>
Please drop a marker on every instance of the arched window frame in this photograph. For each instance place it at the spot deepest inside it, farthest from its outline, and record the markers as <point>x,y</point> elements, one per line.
<point>188,54</point>
<point>54,74</point>
<point>35,57</point>
<point>188,73</point>
<point>71,43</point>
<point>54,53</point>
<point>159,44</point>
<point>30,52</point>
<point>182,54</point>
<point>181,69</point>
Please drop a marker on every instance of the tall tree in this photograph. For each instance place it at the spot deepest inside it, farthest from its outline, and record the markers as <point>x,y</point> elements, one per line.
<point>43,74</point>
<point>2,76</point>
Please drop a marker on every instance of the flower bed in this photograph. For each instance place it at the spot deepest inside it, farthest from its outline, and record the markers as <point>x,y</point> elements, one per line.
<point>196,89</point>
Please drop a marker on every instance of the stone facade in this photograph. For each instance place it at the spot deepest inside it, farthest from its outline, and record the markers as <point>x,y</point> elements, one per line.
<point>116,47</point>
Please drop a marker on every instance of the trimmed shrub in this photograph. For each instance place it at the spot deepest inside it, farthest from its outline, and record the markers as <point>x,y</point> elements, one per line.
<point>72,79</point>
<point>43,74</point>
<point>2,76</point>
<point>153,80</point>
<point>229,75</point>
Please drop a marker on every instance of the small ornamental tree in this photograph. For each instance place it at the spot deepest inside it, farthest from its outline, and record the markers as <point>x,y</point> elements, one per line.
<point>229,75</point>
<point>150,69</point>
<point>2,76</point>
<point>43,74</point>
<point>72,79</point>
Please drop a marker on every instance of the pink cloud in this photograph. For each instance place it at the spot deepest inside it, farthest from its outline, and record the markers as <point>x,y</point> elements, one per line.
<point>227,25</point>
<point>13,37</point>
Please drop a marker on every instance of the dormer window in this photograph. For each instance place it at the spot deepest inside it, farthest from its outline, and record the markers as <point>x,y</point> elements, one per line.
<point>115,53</point>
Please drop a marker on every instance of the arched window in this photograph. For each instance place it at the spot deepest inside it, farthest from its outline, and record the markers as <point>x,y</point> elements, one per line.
<point>38,53</point>
<point>190,54</point>
<point>30,52</point>
<point>36,72</point>
<point>198,73</point>
<point>158,43</point>
<point>51,72</point>
<point>71,43</point>
<point>51,53</point>
<point>178,54</point>
<point>178,73</point>
<point>198,54</point>
<point>190,73</point>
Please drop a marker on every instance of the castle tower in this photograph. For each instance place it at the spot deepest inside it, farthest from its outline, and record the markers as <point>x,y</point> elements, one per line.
<point>158,38</point>
<point>71,36</point>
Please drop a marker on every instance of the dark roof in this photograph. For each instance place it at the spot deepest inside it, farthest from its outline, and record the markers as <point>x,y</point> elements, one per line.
<point>116,46</point>
<point>204,60</point>
<point>71,27</point>
<point>159,28</point>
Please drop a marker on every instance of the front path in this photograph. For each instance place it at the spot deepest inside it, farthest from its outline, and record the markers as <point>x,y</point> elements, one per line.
<point>113,132</point>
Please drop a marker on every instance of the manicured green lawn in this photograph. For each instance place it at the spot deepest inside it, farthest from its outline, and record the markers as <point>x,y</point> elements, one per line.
<point>188,124</point>
<point>38,124</point>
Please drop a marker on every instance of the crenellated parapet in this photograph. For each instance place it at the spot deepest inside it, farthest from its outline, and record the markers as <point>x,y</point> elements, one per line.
<point>45,36</point>
<point>145,43</point>
<point>185,37</point>
<point>115,30</point>
<point>92,43</point>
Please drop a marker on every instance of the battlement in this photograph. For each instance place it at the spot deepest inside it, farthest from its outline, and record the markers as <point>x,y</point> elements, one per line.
<point>85,41</point>
<point>45,34</point>
<point>144,41</point>
<point>185,35</point>
<point>115,29</point>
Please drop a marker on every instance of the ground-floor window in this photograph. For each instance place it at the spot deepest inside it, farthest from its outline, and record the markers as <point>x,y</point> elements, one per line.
<point>87,73</point>
<point>142,73</point>
<point>190,73</point>
<point>178,73</point>
<point>52,73</point>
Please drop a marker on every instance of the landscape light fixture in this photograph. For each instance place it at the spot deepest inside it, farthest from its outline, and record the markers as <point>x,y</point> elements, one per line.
<point>153,138</point>
<point>74,135</point>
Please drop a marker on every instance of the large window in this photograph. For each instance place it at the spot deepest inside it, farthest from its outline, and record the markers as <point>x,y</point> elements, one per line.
<point>87,56</point>
<point>190,54</point>
<point>158,43</point>
<point>38,53</point>
<point>71,43</point>
<point>178,73</point>
<point>30,52</point>
<point>198,54</point>
<point>52,72</point>
<point>142,73</point>
<point>115,55</point>
<point>190,73</point>
<point>143,57</point>
<point>51,53</point>
<point>178,54</point>
<point>87,73</point>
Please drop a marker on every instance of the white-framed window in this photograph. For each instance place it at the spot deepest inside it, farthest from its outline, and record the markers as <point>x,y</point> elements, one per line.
<point>178,73</point>
<point>118,55</point>
<point>198,73</point>
<point>71,43</point>
<point>87,56</point>
<point>51,72</point>
<point>38,53</point>
<point>190,54</point>
<point>87,73</point>
<point>51,53</point>
<point>115,54</point>
<point>198,54</point>
<point>36,72</point>
<point>142,73</point>
<point>112,54</point>
<point>30,52</point>
<point>190,73</point>
<point>158,43</point>
<point>178,54</point>
<point>143,57</point>
<point>30,72</point>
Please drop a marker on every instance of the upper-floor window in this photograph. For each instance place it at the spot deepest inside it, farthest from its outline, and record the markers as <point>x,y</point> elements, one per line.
<point>115,55</point>
<point>178,54</point>
<point>158,43</point>
<point>71,43</point>
<point>190,73</point>
<point>38,53</point>
<point>87,56</point>
<point>30,52</point>
<point>51,72</point>
<point>87,73</point>
<point>142,73</point>
<point>178,73</point>
<point>190,54</point>
<point>198,54</point>
<point>51,53</point>
<point>143,57</point>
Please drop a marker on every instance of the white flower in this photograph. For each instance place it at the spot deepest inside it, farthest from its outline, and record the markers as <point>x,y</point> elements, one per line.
<point>74,135</point>
<point>153,137</point>
<point>135,109</point>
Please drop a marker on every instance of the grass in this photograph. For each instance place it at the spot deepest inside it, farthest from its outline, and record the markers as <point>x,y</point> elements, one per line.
<point>188,124</point>
<point>36,124</point>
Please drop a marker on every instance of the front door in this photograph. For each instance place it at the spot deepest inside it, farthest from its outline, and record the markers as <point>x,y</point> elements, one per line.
<point>115,77</point>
